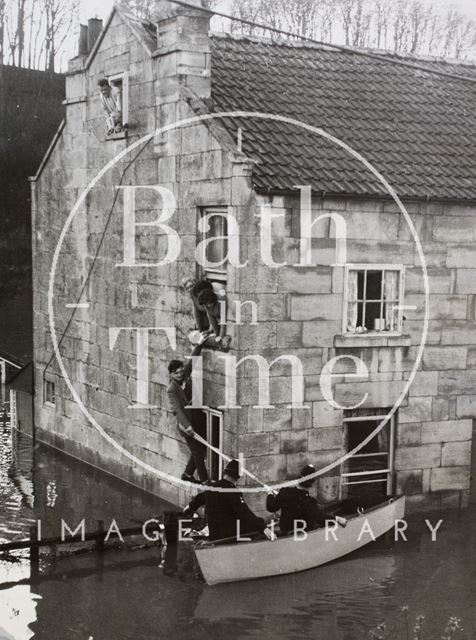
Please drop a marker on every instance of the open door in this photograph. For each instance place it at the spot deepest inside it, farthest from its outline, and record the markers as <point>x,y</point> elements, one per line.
<point>214,436</point>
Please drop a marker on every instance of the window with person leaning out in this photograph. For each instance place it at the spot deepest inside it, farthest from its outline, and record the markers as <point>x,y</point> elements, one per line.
<point>209,311</point>
<point>111,99</point>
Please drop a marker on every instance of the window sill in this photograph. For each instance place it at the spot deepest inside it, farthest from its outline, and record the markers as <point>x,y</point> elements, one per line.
<point>49,404</point>
<point>78,100</point>
<point>369,340</point>
<point>122,135</point>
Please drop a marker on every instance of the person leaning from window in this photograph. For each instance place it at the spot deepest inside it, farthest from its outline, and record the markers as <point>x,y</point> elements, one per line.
<point>209,300</point>
<point>227,513</point>
<point>111,99</point>
<point>194,287</point>
<point>296,504</point>
<point>189,420</point>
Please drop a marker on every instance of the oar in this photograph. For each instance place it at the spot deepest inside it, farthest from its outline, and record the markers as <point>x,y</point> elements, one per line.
<point>227,458</point>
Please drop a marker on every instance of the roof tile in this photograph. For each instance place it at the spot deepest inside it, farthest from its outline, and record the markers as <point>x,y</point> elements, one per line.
<point>416,128</point>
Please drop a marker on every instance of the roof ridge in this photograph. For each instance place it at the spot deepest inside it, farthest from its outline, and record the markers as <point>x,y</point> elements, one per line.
<point>278,41</point>
<point>333,47</point>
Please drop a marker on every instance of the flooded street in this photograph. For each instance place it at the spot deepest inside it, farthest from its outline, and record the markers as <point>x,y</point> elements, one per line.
<point>140,594</point>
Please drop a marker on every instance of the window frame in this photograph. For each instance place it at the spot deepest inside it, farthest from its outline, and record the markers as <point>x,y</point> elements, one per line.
<point>400,268</point>
<point>389,471</point>
<point>48,384</point>
<point>217,275</point>
<point>123,76</point>
<point>209,413</point>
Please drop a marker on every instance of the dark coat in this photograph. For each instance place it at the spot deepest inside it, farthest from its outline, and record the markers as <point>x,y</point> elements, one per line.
<point>295,503</point>
<point>223,510</point>
<point>179,398</point>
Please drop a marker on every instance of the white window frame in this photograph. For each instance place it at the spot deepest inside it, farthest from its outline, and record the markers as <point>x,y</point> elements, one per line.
<point>209,413</point>
<point>401,285</point>
<point>390,470</point>
<point>47,396</point>
<point>124,77</point>
<point>218,275</point>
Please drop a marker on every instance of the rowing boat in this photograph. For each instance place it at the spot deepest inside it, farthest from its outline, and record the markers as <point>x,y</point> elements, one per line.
<point>259,559</point>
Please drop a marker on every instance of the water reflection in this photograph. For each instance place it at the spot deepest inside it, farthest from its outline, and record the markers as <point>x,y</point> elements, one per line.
<point>16,480</point>
<point>290,595</point>
<point>147,594</point>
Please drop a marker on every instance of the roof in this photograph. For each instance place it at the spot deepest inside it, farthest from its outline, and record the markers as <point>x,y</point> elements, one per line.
<point>12,360</point>
<point>417,128</point>
<point>143,30</point>
<point>23,379</point>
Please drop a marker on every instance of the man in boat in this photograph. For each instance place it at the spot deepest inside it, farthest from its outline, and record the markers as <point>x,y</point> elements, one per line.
<point>295,503</point>
<point>228,515</point>
<point>189,421</point>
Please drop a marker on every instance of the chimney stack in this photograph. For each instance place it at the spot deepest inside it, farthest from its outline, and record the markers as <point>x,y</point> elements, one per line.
<point>94,31</point>
<point>83,40</point>
<point>164,9</point>
<point>183,55</point>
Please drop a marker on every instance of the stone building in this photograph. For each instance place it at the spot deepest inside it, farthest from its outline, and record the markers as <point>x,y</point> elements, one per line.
<point>30,112</point>
<point>345,298</point>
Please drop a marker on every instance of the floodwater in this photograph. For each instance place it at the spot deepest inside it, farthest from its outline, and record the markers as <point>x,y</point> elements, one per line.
<point>141,594</point>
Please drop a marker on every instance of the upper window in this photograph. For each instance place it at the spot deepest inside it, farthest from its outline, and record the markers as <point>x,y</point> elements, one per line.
<point>217,249</point>
<point>50,392</point>
<point>373,299</point>
<point>114,92</point>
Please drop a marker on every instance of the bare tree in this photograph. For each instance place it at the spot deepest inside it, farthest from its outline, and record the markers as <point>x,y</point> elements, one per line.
<point>60,16</point>
<point>2,31</point>
<point>142,8</point>
<point>34,31</point>
<point>406,26</point>
<point>460,34</point>
<point>20,32</point>
<point>326,21</point>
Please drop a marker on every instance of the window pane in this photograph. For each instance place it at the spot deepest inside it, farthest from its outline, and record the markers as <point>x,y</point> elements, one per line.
<point>359,430</point>
<point>50,392</point>
<point>215,441</point>
<point>217,250</point>
<point>367,463</point>
<point>352,316</point>
<point>374,285</point>
<point>360,314</point>
<point>214,437</point>
<point>372,316</point>
<point>360,284</point>
<point>391,296</point>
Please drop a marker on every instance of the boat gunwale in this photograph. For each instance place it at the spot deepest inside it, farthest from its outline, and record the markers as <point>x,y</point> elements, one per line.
<point>204,545</point>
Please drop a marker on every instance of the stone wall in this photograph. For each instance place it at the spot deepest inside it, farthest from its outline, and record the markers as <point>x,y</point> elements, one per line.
<point>301,313</point>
